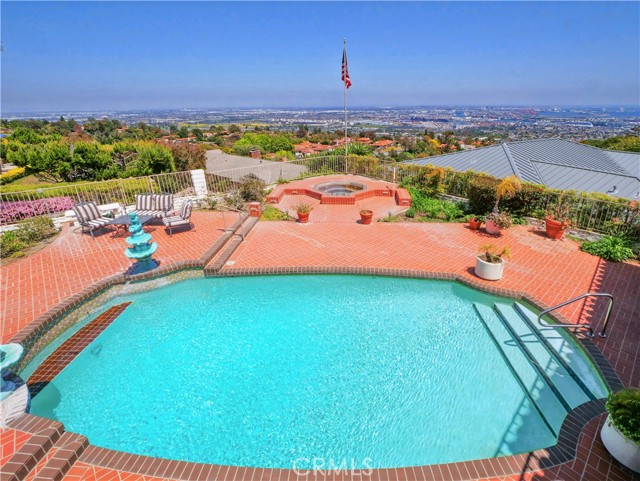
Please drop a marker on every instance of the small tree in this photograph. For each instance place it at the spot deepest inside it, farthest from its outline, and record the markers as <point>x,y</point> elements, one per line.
<point>507,188</point>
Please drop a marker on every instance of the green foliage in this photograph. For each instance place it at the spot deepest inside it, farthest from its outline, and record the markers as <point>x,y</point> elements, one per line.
<point>13,174</point>
<point>273,214</point>
<point>188,157</point>
<point>303,208</point>
<point>630,143</point>
<point>266,143</point>
<point>29,136</point>
<point>424,206</point>
<point>10,244</point>
<point>492,255</point>
<point>28,232</point>
<point>624,408</point>
<point>35,229</point>
<point>501,219</point>
<point>103,130</point>
<point>251,189</point>
<point>609,248</point>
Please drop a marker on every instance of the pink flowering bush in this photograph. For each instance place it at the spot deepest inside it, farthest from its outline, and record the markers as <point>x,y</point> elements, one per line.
<point>24,209</point>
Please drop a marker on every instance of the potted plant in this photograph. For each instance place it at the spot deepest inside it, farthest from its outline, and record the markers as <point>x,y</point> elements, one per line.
<point>490,264</point>
<point>365,216</point>
<point>557,219</point>
<point>507,188</point>
<point>475,222</point>
<point>303,211</point>
<point>621,431</point>
<point>496,221</point>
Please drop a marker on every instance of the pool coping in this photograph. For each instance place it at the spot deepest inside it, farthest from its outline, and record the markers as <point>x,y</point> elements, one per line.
<point>563,451</point>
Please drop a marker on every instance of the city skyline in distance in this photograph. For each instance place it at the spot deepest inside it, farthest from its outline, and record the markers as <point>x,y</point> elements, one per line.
<point>142,56</point>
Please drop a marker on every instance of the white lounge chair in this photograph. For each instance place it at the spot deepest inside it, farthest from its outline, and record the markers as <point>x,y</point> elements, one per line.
<point>89,216</point>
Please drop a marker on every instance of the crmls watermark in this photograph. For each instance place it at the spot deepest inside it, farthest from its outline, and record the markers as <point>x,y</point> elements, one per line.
<point>326,467</point>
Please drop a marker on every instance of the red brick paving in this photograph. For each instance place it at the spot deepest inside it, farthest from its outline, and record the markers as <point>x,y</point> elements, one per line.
<point>552,271</point>
<point>33,285</point>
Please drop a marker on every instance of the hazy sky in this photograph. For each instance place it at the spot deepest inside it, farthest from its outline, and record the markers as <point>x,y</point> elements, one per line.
<point>136,55</point>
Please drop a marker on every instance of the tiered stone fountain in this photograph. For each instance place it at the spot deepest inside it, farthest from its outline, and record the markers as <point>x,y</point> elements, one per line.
<point>141,248</point>
<point>9,355</point>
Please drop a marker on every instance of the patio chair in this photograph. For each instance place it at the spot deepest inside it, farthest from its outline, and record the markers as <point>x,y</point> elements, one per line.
<point>89,217</point>
<point>183,218</point>
<point>155,205</point>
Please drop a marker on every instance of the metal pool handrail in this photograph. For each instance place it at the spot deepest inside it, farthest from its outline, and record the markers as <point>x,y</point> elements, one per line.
<point>588,326</point>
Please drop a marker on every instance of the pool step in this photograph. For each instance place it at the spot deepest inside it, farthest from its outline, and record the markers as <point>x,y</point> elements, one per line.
<point>536,386</point>
<point>44,434</point>
<point>57,462</point>
<point>219,260</point>
<point>570,389</point>
<point>69,349</point>
<point>558,342</point>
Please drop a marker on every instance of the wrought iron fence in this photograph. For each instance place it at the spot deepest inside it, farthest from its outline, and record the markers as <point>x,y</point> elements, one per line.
<point>585,212</point>
<point>54,201</point>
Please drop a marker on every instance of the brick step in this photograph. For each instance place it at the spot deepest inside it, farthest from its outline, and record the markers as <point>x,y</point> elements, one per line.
<point>218,262</point>
<point>60,458</point>
<point>45,434</point>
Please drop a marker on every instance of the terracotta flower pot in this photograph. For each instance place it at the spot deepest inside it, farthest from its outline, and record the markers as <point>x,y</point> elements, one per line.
<point>366,216</point>
<point>555,229</point>
<point>492,228</point>
<point>474,224</point>
<point>303,217</point>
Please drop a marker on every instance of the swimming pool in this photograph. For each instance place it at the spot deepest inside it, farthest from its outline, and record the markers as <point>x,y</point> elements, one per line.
<point>267,371</point>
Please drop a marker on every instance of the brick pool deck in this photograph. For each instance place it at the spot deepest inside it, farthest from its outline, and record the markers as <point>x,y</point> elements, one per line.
<point>551,271</point>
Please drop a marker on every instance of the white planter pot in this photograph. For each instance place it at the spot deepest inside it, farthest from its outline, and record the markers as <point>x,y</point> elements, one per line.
<point>492,228</point>
<point>491,271</point>
<point>621,447</point>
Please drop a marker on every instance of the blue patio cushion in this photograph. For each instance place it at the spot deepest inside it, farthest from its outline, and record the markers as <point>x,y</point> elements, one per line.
<point>185,212</point>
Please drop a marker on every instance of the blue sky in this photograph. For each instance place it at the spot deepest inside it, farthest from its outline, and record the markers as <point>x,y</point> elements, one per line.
<point>122,55</point>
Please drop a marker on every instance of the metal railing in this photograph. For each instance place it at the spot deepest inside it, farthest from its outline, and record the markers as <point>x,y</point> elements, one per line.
<point>579,326</point>
<point>55,200</point>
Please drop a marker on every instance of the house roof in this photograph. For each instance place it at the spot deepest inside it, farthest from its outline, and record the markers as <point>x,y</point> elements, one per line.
<point>556,163</point>
<point>235,167</point>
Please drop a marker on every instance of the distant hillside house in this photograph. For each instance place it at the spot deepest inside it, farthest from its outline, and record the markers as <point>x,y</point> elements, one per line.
<point>556,163</point>
<point>381,144</point>
<point>308,148</point>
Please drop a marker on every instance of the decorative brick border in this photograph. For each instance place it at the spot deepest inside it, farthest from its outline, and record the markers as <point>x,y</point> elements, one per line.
<point>563,451</point>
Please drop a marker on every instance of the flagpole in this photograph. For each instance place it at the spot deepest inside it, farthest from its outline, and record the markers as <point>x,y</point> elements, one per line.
<point>346,141</point>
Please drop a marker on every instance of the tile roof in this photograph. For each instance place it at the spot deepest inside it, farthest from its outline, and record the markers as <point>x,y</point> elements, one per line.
<point>556,163</point>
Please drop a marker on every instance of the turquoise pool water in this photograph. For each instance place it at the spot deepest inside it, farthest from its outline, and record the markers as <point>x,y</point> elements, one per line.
<point>272,371</point>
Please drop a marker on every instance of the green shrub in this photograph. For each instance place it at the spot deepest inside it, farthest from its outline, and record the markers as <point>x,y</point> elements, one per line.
<point>481,193</point>
<point>10,244</point>
<point>251,189</point>
<point>271,213</point>
<point>624,408</point>
<point>13,174</point>
<point>432,208</point>
<point>609,248</point>
<point>35,229</point>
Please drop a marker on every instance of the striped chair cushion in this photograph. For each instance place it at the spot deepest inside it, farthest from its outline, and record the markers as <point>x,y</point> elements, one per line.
<point>163,202</point>
<point>86,211</point>
<point>174,220</point>
<point>152,213</point>
<point>185,212</point>
<point>144,202</point>
<point>97,223</point>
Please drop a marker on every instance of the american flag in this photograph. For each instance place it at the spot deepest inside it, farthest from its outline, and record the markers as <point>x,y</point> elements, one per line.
<point>345,70</point>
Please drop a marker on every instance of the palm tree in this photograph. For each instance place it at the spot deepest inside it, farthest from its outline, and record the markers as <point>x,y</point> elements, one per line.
<point>507,188</point>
